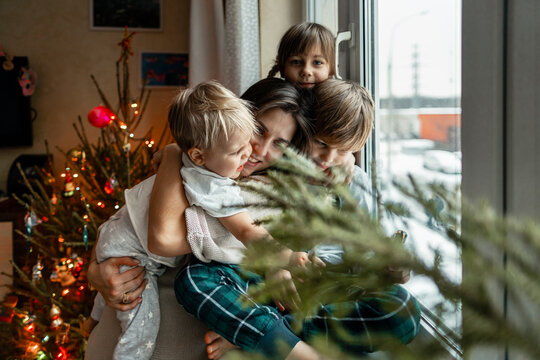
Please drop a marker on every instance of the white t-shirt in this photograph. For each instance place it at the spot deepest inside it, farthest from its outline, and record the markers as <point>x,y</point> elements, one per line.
<point>217,195</point>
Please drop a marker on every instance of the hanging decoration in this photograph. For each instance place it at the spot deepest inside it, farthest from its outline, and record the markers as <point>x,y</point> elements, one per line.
<point>8,62</point>
<point>61,273</point>
<point>69,185</point>
<point>33,351</point>
<point>61,353</point>
<point>27,80</point>
<point>7,308</point>
<point>76,155</point>
<point>36,272</point>
<point>111,184</point>
<point>56,320</point>
<point>76,264</point>
<point>30,220</point>
<point>62,334</point>
<point>100,116</point>
<point>61,242</point>
<point>28,323</point>
<point>85,237</point>
<point>125,44</point>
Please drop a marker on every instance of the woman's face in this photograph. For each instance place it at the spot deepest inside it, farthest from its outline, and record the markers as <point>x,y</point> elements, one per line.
<point>274,127</point>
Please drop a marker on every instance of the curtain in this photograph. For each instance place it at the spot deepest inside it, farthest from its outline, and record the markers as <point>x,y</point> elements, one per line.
<point>224,43</point>
<point>206,41</point>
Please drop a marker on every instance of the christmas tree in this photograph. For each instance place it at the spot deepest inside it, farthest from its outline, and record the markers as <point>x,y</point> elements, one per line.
<point>41,318</point>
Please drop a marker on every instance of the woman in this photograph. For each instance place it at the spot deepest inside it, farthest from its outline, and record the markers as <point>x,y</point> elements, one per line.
<point>279,112</point>
<point>216,293</point>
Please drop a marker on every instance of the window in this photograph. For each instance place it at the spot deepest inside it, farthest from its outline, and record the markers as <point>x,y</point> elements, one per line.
<point>407,53</point>
<point>419,118</point>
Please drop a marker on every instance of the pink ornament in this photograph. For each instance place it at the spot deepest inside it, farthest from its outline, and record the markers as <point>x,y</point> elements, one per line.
<point>27,80</point>
<point>100,116</point>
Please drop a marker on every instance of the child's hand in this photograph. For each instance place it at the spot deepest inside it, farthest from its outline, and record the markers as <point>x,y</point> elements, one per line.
<point>298,258</point>
<point>346,164</point>
<point>305,263</point>
<point>303,259</point>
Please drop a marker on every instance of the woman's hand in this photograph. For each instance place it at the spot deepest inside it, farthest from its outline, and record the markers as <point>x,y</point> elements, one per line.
<point>156,159</point>
<point>399,274</point>
<point>348,165</point>
<point>112,284</point>
<point>283,289</point>
<point>158,156</point>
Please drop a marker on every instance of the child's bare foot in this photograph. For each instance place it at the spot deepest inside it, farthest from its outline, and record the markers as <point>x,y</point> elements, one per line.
<point>217,346</point>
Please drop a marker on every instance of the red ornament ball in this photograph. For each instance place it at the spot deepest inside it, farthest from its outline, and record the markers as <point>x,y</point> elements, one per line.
<point>100,116</point>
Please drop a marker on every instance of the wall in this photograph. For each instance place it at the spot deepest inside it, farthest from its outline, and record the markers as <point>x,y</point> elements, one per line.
<point>501,108</point>
<point>63,51</point>
<point>276,16</point>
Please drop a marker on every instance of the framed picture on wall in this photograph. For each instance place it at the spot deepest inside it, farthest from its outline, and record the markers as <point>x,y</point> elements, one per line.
<point>164,69</point>
<point>145,15</point>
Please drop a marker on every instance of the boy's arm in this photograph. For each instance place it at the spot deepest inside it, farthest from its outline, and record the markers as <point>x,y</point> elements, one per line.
<point>167,231</point>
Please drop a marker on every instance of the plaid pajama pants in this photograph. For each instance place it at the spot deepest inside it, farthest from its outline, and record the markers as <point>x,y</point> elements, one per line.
<point>217,295</point>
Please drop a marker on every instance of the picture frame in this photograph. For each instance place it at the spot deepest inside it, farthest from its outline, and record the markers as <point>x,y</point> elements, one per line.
<point>140,15</point>
<point>163,69</point>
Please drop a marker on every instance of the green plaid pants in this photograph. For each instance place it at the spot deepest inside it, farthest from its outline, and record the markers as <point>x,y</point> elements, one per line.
<point>217,295</point>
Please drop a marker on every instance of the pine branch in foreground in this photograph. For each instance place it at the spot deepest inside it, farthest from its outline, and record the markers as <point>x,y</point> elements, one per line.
<point>309,217</point>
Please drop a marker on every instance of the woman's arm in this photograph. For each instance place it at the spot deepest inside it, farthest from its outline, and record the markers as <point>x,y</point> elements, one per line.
<point>167,231</point>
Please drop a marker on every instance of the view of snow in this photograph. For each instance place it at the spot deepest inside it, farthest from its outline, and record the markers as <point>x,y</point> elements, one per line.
<point>418,59</point>
<point>408,157</point>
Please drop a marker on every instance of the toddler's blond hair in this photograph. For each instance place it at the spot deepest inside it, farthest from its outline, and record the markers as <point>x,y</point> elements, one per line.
<point>201,116</point>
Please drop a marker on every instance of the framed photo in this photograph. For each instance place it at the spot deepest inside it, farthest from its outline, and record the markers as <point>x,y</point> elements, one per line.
<point>164,69</point>
<point>145,15</point>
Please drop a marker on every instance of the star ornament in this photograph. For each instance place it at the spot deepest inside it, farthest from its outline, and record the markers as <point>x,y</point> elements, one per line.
<point>125,44</point>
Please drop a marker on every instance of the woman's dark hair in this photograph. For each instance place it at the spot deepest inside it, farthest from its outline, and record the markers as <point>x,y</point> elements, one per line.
<point>299,39</point>
<point>275,93</point>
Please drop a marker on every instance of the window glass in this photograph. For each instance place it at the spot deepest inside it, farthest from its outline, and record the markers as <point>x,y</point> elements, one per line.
<point>418,82</point>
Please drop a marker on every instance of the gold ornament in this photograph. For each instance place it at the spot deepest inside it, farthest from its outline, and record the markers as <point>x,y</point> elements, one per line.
<point>55,311</point>
<point>8,63</point>
<point>76,155</point>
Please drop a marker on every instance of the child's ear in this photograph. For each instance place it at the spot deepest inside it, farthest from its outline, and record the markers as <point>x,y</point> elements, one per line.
<point>196,155</point>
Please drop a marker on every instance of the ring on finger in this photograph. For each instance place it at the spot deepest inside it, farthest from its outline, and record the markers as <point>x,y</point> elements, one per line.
<point>125,299</point>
